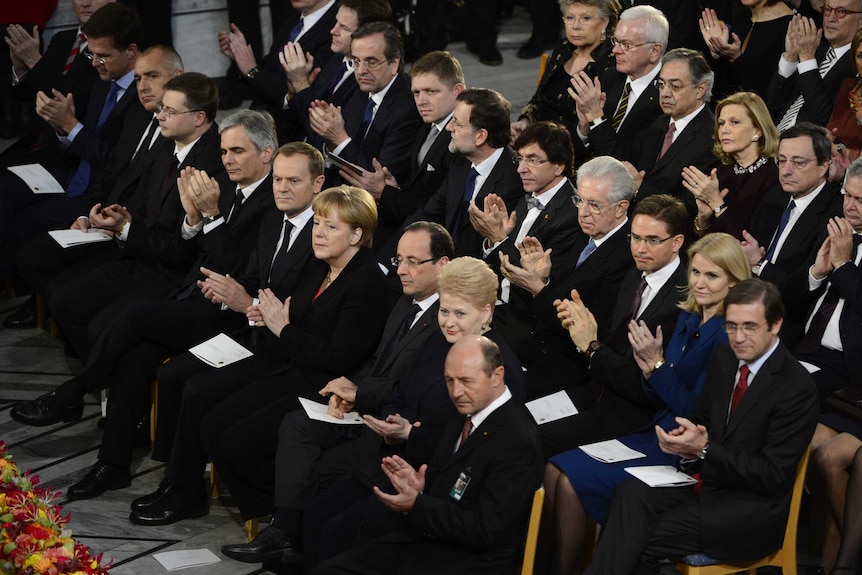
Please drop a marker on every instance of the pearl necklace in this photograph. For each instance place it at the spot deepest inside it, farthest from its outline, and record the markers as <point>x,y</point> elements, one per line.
<point>739,170</point>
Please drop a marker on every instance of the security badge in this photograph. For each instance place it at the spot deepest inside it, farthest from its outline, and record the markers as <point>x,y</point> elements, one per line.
<point>461,485</point>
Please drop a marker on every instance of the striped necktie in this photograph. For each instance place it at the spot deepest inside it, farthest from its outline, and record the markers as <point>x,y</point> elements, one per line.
<point>80,40</point>
<point>622,108</point>
<point>790,116</point>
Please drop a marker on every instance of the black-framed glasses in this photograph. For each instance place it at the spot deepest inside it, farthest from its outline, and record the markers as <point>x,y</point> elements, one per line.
<point>170,112</point>
<point>636,239</point>
<point>410,262</point>
<point>748,328</point>
<point>627,45</point>
<point>840,13</point>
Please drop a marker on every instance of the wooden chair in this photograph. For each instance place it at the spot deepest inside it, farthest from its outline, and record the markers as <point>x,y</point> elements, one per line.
<point>529,561</point>
<point>543,63</point>
<point>785,557</point>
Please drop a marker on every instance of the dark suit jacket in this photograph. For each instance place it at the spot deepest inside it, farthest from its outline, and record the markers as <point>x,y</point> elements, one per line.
<point>749,472</point>
<point>548,353</point>
<point>390,135</point>
<point>819,93</point>
<point>297,106</point>
<point>692,147</point>
<point>801,240</point>
<point>483,531</point>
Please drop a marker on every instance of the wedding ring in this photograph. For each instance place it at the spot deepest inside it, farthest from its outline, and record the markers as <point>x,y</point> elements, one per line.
<point>707,28</point>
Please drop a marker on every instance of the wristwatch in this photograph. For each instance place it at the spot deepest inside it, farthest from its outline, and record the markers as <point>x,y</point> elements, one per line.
<point>593,348</point>
<point>210,219</point>
<point>717,210</point>
<point>702,453</point>
<point>658,364</point>
<point>252,73</point>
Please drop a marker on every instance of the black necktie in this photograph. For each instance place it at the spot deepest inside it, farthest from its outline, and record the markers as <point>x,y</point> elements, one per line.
<point>620,341</point>
<point>469,189</point>
<point>402,330</point>
<point>280,259</point>
<point>144,145</point>
<point>154,202</point>
<point>238,200</point>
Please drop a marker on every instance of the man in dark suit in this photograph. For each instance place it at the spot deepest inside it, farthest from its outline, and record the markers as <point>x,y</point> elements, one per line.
<point>684,137</point>
<point>42,263</point>
<point>630,105</point>
<point>826,291</point>
<point>469,516</point>
<point>145,332</point>
<point>750,427</point>
<point>479,131</point>
<point>113,34</point>
<point>813,65</point>
<point>545,212</point>
<point>333,82</point>
<point>785,229</point>
<point>595,266</point>
<point>311,454</point>
<point>380,119</point>
<point>436,80</point>
<point>649,296</point>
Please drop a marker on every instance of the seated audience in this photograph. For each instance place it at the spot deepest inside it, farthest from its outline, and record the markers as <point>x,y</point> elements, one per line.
<point>844,122</point>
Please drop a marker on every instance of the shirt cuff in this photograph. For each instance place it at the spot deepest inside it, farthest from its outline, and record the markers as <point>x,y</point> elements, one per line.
<point>786,68</point>
<point>338,149</point>
<point>72,135</point>
<point>213,225</point>
<point>188,232</point>
<point>123,235</point>
<point>814,283</point>
<point>806,66</point>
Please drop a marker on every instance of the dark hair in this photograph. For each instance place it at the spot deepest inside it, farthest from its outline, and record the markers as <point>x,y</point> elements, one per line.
<point>441,242</point>
<point>489,111</point>
<point>491,353</point>
<point>200,92</point>
<point>755,290</point>
<point>666,209</point>
<point>442,64</point>
<point>117,22</point>
<point>369,10</point>
<point>698,68</point>
<point>316,163</point>
<point>553,139</point>
<point>819,140</point>
<point>393,44</point>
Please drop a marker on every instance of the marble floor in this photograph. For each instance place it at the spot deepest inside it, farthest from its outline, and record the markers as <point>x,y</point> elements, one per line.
<point>32,362</point>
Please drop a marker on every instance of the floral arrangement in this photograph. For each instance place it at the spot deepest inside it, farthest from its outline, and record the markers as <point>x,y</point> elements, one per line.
<point>34,539</point>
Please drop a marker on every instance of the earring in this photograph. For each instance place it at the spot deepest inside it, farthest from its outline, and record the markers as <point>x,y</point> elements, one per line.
<point>755,137</point>
<point>603,36</point>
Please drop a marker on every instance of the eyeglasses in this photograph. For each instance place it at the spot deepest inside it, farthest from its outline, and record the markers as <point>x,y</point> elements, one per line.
<point>628,45</point>
<point>840,13</point>
<point>580,20</point>
<point>798,163</point>
<point>659,84</point>
<point>592,205</point>
<point>652,242</point>
<point>100,60</point>
<point>747,328</point>
<point>170,112</point>
<point>370,63</point>
<point>530,160</point>
<point>410,263</point>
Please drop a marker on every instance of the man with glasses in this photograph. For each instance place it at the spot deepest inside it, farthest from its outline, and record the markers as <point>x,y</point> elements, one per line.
<point>746,435</point>
<point>631,103</point>
<point>814,64</point>
<point>595,266</point>
<point>785,227</point>
<point>545,212</point>
<point>380,120</point>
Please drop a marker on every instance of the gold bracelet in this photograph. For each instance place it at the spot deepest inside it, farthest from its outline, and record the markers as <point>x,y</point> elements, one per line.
<point>697,228</point>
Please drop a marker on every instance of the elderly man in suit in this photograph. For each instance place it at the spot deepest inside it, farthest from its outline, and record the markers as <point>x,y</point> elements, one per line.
<point>595,266</point>
<point>750,427</point>
<point>465,511</point>
<point>607,128</point>
<point>380,119</point>
<point>814,64</point>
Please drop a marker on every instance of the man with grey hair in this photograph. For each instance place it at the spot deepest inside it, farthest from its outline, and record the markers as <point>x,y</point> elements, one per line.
<point>605,128</point>
<point>596,265</point>
<point>683,137</point>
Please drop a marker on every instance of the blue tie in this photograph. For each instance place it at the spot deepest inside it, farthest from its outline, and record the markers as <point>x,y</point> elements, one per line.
<point>81,179</point>
<point>294,32</point>
<point>585,253</point>
<point>330,89</point>
<point>366,120</point>
<point>469,188</point>
<point>785,217</point>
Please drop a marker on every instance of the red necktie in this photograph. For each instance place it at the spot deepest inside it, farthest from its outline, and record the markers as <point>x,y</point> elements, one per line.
<point>668,140</point>
<point>465,432</point>
<point>740,389</point>
<point>73,53</point>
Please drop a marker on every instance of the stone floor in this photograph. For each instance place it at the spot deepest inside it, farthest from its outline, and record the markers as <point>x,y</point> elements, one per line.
<point>31,363</point>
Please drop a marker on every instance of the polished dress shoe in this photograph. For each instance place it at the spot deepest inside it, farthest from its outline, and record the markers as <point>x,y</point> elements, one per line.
<point>271,544</point>
<point>146,500</point>
<point>22,318</point>
<point>101,477</point>
<point>45,410</point>
<point>175,504</point>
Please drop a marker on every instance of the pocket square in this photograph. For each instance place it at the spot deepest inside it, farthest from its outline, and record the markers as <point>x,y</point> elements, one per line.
<point>429,168</point>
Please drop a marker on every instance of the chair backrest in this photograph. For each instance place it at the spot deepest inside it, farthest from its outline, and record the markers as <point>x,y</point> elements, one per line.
<point>533,532</point>
<point>543,63</point>
<point>796,502</point>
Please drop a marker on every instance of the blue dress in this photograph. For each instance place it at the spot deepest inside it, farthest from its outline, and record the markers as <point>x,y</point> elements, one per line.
<point>672,389</point>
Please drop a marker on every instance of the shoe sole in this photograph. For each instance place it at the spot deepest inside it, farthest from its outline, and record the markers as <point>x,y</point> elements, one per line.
<point>117,487</point>
<point>157,522</point>
<point>256,557</point>
<point>65,419</point>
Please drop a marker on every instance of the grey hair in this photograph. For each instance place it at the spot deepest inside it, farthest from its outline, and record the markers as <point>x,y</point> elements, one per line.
<point>258,126</point>
<point>854,170</point>
<point>698,69</point>
<point>622,184</point>
<point>656,26</point>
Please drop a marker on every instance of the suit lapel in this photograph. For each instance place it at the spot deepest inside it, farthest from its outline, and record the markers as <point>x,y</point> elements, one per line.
<point>760,386</point>
<point>685,139</point>
<point>301,246</point>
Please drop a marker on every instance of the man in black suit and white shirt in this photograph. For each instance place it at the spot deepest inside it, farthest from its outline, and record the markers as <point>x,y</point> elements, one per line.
<point>751,425</point>
<point>814,64</point>
<point>469,516</point>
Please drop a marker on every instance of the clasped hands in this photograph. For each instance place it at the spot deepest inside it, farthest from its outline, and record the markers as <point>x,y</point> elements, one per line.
<point>493,222</point>
<point>270,312</point>
<point>802,39</point>
<point>535,269</point>
<point>836,250</point>
<point>721,42</point>
<point>58,109</point>
<point>23,47</point>
<point>199,194</point>
<point>327,122</point>
<point>233,45</point>
<point>298,67</point>
<point>577,320</point>
<point>408,483</point>
<point>342,396</point>
<point>685,441</point>
<point>110,219</point>
<point>705,190</point>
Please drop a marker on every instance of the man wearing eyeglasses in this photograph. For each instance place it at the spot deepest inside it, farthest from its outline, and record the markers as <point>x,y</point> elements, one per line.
<point>814,64</point>
<point>380,119</point>
<point>746,435</point>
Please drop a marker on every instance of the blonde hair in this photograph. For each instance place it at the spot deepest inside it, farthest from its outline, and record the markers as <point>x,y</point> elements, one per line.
<point>471,279</point>
<point>724,251</point>
<point>354,206</point>
<point>759,115</point>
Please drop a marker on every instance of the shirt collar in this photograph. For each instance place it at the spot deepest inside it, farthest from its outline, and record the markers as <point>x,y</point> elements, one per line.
<point>483,414</point>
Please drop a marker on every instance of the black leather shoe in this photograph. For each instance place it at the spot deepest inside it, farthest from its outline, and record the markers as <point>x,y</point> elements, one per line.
<point>531,49</point>
<point>22,318</point>
<point>175,504</point>
<point>271,544</point>
<point>45,410</point>
<point>101,477</point>
<point>488,54</point>
<point>146,500</point>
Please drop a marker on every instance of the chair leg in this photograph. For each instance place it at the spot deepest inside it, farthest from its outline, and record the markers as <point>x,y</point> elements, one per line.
<point>251,527</point>
<point>41,312</point>
<point>213,481</point>
<point>154,410</point>
<point>588,548</point>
